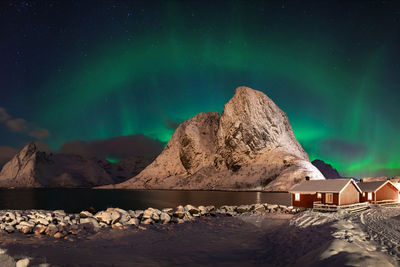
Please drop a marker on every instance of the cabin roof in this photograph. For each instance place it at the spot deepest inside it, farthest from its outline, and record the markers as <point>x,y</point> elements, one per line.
<point>371,186</point>
<point>328,185</point>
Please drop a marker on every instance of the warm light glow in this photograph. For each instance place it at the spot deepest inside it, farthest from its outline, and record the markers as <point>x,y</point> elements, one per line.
<point>297,197</point>
<point>319,195</point>
<point>329,198</point>
<point>369,196</point>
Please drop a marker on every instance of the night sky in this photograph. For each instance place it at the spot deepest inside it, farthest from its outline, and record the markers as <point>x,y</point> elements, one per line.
<point>90,70</point>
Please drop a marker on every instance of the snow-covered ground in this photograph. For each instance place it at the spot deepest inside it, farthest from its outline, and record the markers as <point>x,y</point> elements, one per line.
<point>368,238</point>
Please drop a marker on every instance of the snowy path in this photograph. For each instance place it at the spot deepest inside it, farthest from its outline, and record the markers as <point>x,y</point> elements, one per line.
<point>383,226</point>
<point>372,237</point>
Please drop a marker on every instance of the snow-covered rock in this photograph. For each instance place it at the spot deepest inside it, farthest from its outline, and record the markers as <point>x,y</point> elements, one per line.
<point>250,145</point>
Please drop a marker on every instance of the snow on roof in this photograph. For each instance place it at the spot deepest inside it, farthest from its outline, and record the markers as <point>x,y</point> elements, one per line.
<point>371,186</point>
<point>328,185</point>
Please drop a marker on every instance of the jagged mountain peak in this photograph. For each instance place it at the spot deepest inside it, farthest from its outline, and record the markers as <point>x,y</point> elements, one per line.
<point>250,145</point>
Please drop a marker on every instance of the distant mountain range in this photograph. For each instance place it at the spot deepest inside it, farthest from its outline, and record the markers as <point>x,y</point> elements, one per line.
<point>34,168</point>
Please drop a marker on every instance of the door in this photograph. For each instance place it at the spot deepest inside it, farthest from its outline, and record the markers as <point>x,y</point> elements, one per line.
<point>329,198</point>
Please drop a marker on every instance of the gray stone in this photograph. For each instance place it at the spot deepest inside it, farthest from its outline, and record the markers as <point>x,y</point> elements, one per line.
<point>191,209</point>
<point>243,208</point>
<point>124,218</point>
<point>165,218</point>
<point>133,221</point>
<point>22,263</point>
<point>26,229</point>
<point>92,221</point>
<point>85,214</point>
<point>104,216</point>
<point>147,221</point>
<point>42,221</point>
<point>9,228</point>
<point>203,210</point>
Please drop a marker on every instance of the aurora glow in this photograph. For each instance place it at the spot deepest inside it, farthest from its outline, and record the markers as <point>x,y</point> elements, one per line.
<point>123,68</point>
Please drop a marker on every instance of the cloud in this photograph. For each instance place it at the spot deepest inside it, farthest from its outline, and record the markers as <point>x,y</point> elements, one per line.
<point>116,147</point>
<point>19,125</point>
<point>343,148</point>
<point>39,133</point>
<point>3,115</point>
<point>171,124</point>
<point>6,153</point>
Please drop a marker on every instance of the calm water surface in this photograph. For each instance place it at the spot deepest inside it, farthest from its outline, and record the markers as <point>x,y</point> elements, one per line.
<point>75,200</point>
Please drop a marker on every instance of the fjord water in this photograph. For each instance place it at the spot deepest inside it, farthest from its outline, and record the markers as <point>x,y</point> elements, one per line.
<point>75,200</point>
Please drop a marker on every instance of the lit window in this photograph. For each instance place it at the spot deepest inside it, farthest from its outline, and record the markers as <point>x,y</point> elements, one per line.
<point>369,196</point>
<point>297,197</point>
<point>319,195</point>
<point>364,194</point>
<point>329,198</point>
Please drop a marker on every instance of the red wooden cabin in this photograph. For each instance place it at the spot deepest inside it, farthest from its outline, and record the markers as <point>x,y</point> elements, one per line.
<point>378,192</point>
<point>329,192</point>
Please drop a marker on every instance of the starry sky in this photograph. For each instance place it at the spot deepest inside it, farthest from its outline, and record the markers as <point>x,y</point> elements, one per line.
<point>83,71</point>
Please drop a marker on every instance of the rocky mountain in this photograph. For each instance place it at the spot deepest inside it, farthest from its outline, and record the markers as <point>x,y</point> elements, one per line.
<point>34,168</point>
<point>326,169</point>
<point>250,145</point>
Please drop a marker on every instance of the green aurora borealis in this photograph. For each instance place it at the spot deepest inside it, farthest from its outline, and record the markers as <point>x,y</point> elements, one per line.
<point>334,69</point>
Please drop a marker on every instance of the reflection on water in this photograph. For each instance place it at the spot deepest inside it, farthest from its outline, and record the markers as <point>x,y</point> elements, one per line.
<point>75,200</point>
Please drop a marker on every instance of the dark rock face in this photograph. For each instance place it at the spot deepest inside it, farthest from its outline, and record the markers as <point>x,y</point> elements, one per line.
<point>250,145</point>
<point>326,169</point>
<point>33,168</point>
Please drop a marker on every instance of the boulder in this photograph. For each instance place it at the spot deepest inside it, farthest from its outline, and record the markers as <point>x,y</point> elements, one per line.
<point>179,212</point>
<point>39,229</point>
<point>85,214</point>
<point>9,228</point>
<point>165,218</point>
<point>104,216</point>
<point>22,263</point>
<point>191,209</point>
<point>26,229</point>
<point>92,221</point>
<point>51,230</point>
<point>133,222</point>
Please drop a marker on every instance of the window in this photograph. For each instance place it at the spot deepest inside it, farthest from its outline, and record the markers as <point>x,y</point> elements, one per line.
<point>364,194</point>
<point>319,195</point>
<point>329,198</point>
<point>297,197</point>
<point>369,196</point>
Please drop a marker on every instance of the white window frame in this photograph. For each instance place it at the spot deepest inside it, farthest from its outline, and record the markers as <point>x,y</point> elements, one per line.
<point>369,195</point>
<point>329,198</point>
<point>319,195</point>
<point>297,197</point>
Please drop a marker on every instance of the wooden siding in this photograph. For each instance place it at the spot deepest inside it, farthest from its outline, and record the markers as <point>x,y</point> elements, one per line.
<point>335,199</point>
<point>306,200</point>
<point>387,192</point>
<point>349,195</point>
<point>365,198</point>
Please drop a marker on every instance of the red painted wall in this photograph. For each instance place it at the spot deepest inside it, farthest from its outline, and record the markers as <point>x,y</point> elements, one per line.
<point>306,200</point>
<point>387,192</point>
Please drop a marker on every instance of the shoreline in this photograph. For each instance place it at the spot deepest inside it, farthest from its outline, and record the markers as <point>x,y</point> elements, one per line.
<point>59,224</point>
<point>157,189</point>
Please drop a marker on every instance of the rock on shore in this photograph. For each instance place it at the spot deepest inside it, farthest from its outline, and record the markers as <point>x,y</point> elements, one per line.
<point>59,224</point>
<point>250,145</point>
